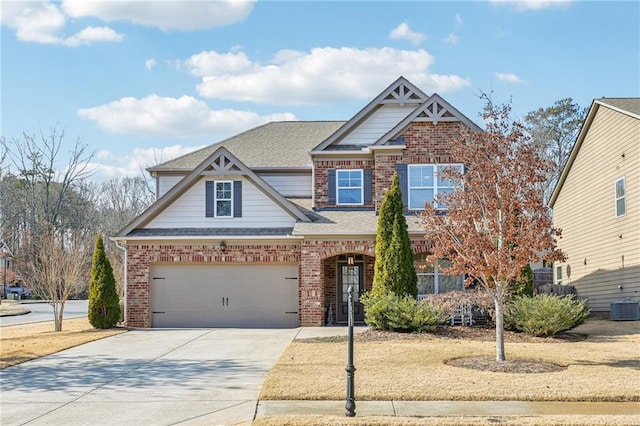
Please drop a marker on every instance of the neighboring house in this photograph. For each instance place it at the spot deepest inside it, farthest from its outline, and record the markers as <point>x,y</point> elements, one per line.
<point>596,203</point>
<point>270,227</point>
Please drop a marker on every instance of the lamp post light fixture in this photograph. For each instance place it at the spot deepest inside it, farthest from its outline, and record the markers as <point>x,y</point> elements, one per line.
<point>223,246</point>
<point>5,254</point>
<point>350,406</point>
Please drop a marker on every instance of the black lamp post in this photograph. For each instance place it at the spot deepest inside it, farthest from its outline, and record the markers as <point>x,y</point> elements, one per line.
<point>351,369</point>
<point>4,254</point>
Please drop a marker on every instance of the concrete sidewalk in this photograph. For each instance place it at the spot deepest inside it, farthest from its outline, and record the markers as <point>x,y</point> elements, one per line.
<point>447,408</point>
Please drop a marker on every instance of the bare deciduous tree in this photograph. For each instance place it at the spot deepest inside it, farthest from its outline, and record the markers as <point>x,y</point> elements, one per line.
<point>495,222</point>
<point>58,265</point>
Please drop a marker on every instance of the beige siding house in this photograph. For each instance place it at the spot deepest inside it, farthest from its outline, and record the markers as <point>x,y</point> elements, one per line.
<point>596,203</point>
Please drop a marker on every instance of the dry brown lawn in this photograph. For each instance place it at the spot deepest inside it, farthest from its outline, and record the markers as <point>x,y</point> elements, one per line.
<point>447,421</point>
<point>602,367</point>
<point>20,343</point>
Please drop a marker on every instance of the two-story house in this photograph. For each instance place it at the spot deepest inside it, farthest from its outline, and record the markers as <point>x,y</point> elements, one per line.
<point>596,203</point>
<point>270,227</point>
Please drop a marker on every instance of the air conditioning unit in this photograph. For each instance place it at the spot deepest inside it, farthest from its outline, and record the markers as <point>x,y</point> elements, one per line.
<point>625,310</point>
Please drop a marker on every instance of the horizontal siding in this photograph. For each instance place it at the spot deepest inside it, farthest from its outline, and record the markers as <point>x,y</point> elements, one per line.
<point>380,122</point>
<point>603,250</point>
<point>258,211</point>
<point>290,184</point>
<point>165,183</point>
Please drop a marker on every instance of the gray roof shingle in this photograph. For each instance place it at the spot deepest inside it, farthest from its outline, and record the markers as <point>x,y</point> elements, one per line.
<point>282,144</point>
<point>209,232</point>
<point>344,223</point>
<point>631,105</point>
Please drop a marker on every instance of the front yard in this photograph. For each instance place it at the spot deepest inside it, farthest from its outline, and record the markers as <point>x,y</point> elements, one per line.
<point>604,366</point>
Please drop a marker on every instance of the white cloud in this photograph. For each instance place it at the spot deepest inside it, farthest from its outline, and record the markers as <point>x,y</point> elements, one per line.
<point>525,5</point>
<point>173,117</point>
<point>403,32</point>
<point>149,64</point>
<point>108,165</point>
<point>206,63</point>
<point>164,14</point>
<point>508,77</point>
<point>321,76</point>
<point>457,21</point>
<point>452,39</point>
<point>43,22</point>
<point>90,35</point>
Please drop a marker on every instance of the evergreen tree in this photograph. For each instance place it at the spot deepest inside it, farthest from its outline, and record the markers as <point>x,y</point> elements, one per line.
<point>393,270</point>
<point>104,306</point>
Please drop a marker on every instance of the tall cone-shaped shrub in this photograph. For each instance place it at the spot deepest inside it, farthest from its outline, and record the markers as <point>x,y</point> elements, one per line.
<point>104,306</point>
<point>393,269</point>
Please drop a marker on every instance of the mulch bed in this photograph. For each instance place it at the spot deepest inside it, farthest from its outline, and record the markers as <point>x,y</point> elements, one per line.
<point>485,334</point>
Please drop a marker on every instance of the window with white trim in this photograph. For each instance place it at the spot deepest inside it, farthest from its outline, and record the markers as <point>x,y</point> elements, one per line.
<point>621,198</point>
<point>559,275</point>
<point>425,183</point>
<point>349,187</point>
<point>431,279</point>
<point>223,198</point>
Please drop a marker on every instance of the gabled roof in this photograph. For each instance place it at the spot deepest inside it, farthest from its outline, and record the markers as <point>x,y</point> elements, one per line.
<point>434,110</point>
<point>626,106</point>
<point>400,92</point>
<point>276,145</point>
<point>221,162</point>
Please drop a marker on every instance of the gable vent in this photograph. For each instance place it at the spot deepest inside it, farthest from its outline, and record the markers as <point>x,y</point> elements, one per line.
<point>625,310</point>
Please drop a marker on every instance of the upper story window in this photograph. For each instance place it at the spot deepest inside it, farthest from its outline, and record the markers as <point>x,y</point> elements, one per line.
<point>621,198</point>
<point>349,187</point>
<point>425,183</point>
<point>223,198</point>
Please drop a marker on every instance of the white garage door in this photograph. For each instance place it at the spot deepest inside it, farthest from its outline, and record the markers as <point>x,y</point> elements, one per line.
<point>248,296</point>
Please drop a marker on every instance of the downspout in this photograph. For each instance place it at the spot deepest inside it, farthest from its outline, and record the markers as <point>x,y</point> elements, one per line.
<point>124,249</point>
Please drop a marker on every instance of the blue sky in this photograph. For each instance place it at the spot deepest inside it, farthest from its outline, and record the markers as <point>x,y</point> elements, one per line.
<point>145,81</point>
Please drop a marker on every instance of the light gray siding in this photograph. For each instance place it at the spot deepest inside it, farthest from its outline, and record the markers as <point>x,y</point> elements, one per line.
<point>166,182</point>
<point>188,211</point>
<point>290,184</point>
<point>379,123</point>
<point>603,250</point>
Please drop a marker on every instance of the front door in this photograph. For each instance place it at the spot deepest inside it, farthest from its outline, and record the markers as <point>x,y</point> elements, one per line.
<point>350,275</point>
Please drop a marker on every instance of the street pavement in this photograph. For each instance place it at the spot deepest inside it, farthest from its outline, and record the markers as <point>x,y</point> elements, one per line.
<point>42,311</point>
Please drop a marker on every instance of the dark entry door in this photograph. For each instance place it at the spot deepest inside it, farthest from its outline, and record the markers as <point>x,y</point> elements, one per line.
<point>350,275</point>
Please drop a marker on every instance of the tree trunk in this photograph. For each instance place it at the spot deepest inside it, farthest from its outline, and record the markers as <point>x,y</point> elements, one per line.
<point>58,309</point>
<point>499,330</point>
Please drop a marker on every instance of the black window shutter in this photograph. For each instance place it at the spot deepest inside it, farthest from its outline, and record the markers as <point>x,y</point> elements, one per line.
<point>368,186</point>
<point>237,198</point>
<point>401,169</point>
<point>210,197</point>
<point>331,190</point>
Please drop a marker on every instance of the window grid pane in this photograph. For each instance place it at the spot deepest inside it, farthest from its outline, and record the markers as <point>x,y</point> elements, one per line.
<point>349,185</point>
<point>224,194</point>
<point>621,205</point>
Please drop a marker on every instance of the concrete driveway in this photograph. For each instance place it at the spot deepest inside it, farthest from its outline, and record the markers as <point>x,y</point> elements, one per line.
<point>147,377</point>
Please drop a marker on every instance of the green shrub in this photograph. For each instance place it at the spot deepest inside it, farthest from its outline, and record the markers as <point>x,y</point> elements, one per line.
<point>104,305</point>
<point>399,313</point>
<point>545,315</point>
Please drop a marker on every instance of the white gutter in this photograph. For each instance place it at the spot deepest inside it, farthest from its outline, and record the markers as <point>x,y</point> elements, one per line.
<point>207,237</point>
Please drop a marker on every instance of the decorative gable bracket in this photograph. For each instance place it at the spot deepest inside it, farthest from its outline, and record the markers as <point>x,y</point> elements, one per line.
<point>403,94</point>
<point>434,112</point>
<point>222,164</point>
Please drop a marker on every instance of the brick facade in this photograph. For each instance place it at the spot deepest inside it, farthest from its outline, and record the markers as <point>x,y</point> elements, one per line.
<point>425,143</point>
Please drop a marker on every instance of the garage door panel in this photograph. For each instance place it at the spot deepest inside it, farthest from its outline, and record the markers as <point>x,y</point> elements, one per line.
<point>250,295</point>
